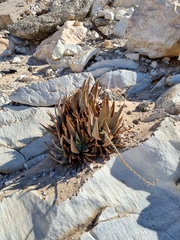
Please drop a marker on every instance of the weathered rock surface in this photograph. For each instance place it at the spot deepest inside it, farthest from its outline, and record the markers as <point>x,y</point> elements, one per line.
<point>48,93</point>
<point>126,4</point>
<point>146,210</point>
<point>120,28</point>
<point>123,79</point>
<point>33,214</point>
<point>79,61</point>
<point>153,29</point>
<point>170,100</point>
<point>172,80</point>
<point>21,125</point>
<point>10,12</point>
<point>67,34</point>
<point>38,28</point>
<point>115,63</point>
<point>10,160</point>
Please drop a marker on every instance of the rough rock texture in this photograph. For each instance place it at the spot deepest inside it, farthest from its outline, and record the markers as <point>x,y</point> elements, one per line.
<point>48,93</point>
<point>21,125</point>
<point>170,100</point>
<point>38,28</point>
<point>126,4</point>
<point>9,15</point>
<point>67,34</point>
<point>10,160</point>
<point>154,29</point>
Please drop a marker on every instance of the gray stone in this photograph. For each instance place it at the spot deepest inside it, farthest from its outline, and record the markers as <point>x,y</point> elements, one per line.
<point>79,61</point>
<point>121,27</point>
<point>35,161</point>
<point>38,28</point>
<point>25,215</point>
<point>120,78</point>
<point>173,80</point>
<point>169,101</point>
<point>21,125</point>
<point>48,93</point>
<point>116,63</point>
<point>100,71</point>
<point>147,31</point>
<point>126,4</point>
<point>36,147</point>
<point>10,160</point>
<point>137,203</point>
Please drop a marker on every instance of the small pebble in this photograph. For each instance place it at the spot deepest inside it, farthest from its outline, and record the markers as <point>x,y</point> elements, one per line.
<point>34,178</point>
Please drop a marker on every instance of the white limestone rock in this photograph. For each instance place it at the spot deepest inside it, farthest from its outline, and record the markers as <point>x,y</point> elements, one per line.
<point>115,63</point>
<point>61,64</point>
<point>10,160</point>
<point>48,93</point>
<point>100,71</point>
<point>98,5</point>
<point>169,101</point>
<point>58,51</point>
<point>68,34</point>
<point>123,79</point>
<point>25,215</point>
<point>79,61</point>
<point>21,125</point>
<point>109,15</point>
<point>172,80</point>
<point>153,29</point>
<point>120,28</point>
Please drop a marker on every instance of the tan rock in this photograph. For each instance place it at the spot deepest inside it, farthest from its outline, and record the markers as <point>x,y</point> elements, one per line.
<point>154,29</point>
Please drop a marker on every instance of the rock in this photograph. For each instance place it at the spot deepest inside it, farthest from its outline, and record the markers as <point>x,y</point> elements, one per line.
<point>172,80</point>
<point>10,12</point>
<point>35,161</point>
<point>58,51</point>
<point>156,158</point>
<point>147,32</point>
<point>132,56</point>
<point>123,79</point>
<point>68,34</point>
<point>108,15</point>
<point>100,71</point>
<point>98,5</point>
<point>39,28</point>
<point>33,214</point>
<point>154,64</point>
<point>10,160</point>
<point>126,4</point>
<point>79,61</point>
<point>107,214</point>
<point>169,101</point>
<point>48,93</point>
<point>16,60</point>
<point>115,63</point>
<point>71,50</point>
<point>119,78</point>
<point>59,64</point>
<point>3,45</point>
<point>36,147</point>
<point>143,106</point>
<point>120,28</point>
<point>160,84</point>
<point>157,114</point>
<point>166,60</point>
<point>21,125</point>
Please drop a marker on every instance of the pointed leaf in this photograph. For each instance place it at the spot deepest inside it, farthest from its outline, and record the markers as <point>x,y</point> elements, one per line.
<point>73,147</point>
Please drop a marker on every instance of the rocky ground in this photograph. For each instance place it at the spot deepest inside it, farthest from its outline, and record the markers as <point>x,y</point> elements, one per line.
<point>44,56</point>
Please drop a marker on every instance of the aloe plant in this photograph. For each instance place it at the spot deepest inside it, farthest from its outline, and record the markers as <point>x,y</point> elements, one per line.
<point>83,127</point>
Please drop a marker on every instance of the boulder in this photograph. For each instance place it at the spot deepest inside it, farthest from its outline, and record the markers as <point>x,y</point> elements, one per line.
<point>154,29</point>
<point>48,93</point>
<point>68,34</point>
<point>169,101</point>
<point>39,28</point>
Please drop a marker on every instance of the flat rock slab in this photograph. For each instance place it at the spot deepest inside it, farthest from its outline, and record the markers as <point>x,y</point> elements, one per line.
<point>10,160</point>
<point>48,93</point>
<point>21,125</point>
